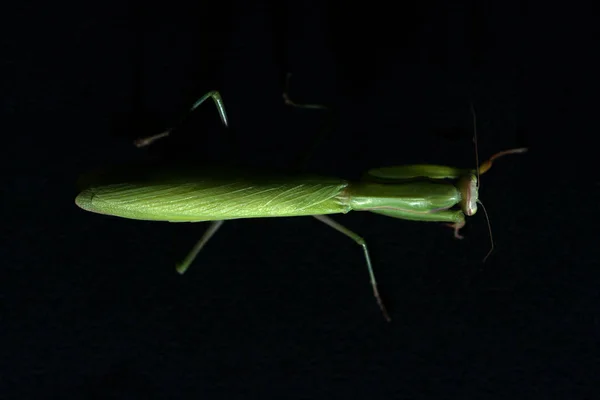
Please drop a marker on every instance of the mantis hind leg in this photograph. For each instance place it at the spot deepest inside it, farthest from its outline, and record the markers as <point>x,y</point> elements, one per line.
<point>189,259</point>
<point>146,141</point>
<point>360,241</point>
<point>326,220</point>
<point>216,96</point>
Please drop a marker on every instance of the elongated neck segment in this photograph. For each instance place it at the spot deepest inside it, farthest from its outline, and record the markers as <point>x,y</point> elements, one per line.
<point>419,197</point>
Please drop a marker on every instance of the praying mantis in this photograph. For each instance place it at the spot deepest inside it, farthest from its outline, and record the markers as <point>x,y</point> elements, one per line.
<point>180,193</point>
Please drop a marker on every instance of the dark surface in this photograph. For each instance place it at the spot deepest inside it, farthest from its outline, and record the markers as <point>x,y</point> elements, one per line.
<point>91,306</point>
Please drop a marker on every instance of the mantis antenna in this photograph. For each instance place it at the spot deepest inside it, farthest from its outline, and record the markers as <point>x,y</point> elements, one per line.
<point>482,169</point>
<point>487,217</point>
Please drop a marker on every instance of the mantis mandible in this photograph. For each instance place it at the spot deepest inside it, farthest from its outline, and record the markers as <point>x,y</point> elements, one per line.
<point>193,194</point>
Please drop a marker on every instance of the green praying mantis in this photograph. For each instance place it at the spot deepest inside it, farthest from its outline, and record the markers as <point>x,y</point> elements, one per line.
<point>433,193</point>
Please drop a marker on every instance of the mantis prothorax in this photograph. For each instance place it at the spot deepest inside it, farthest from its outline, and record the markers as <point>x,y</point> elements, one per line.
<point>191,194</point>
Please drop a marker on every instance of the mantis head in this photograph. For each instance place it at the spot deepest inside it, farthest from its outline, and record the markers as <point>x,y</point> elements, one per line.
<point>469,188</point>
<point>469,183</point>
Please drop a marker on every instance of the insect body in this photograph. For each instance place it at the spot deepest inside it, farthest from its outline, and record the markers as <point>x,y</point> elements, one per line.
<point>192,194</point>
<point>188,194</point>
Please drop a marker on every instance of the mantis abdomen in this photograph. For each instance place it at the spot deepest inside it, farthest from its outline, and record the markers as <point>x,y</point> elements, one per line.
<point>195,195</point>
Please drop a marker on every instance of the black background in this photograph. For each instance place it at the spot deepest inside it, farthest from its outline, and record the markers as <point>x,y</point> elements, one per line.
<point>91,306</point>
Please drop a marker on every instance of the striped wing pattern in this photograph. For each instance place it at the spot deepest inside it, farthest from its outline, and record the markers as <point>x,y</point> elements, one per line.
<point>199,199</point>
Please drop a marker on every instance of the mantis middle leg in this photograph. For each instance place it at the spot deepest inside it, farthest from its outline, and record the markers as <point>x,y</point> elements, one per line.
<point>361,242</point>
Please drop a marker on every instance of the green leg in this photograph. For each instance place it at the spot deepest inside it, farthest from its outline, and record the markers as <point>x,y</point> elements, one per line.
<point>216,96</point>
<point>454,218</point>
<point>189,259</point>
<point>340,228</point>
<point>214,227</point>
<point>289,102</point>
<point>327,220</point>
